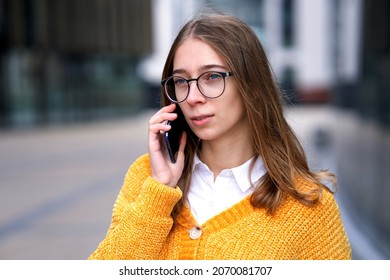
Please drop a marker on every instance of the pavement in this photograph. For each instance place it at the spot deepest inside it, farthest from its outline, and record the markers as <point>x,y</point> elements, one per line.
<point>58,184</point>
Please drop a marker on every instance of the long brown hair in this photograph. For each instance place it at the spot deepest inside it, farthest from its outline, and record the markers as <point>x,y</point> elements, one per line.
<point>272,138</point>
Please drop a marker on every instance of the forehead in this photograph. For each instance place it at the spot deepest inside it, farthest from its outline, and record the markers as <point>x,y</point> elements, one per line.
<point>194,54</point>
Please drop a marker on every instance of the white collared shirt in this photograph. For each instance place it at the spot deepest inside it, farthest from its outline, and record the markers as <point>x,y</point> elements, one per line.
<point>208,198</point>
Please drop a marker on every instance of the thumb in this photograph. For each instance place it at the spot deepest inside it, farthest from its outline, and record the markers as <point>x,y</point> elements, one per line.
<point>183,142</point>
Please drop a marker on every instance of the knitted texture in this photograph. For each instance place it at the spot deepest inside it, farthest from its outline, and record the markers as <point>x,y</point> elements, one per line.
<point>142,227</point>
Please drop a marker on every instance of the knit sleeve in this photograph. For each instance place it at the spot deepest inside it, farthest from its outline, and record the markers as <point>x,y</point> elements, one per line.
<point>141,219</point>
<point>324,236</point>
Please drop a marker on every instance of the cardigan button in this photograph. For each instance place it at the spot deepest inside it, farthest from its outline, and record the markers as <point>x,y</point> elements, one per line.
<point>195,233</point>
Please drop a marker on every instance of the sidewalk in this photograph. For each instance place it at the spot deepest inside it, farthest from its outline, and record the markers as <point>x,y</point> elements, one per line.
<point>58,186</point>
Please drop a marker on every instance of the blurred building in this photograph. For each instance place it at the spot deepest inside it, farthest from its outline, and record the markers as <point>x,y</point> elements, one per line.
<point>76,59</point>
<point>311,44</point>
<point>364,154</point>
<point>71,60</point>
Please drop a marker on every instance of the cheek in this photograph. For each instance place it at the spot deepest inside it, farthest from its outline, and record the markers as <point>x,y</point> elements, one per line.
<point>236,115</point>
<point>233,104</point>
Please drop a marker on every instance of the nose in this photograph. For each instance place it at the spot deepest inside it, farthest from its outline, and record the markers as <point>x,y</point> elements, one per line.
<point>194,94</point>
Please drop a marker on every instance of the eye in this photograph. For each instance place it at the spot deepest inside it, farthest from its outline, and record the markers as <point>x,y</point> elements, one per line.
<point>213,76</point>
<point>179,82</point>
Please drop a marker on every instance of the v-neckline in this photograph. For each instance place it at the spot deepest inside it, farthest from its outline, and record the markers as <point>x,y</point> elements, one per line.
<point>225,218</point>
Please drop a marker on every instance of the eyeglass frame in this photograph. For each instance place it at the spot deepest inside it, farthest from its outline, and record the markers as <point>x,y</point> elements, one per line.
<point>223,74</point>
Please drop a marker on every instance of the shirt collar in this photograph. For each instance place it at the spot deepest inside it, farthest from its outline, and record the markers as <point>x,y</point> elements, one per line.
<point>240,172</point>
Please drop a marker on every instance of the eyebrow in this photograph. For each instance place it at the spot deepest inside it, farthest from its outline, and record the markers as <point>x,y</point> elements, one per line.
<point>203,68</point>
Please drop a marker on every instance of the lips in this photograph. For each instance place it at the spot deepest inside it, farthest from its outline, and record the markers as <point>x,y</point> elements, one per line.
<point>198,118</point>
<point>201,119</point>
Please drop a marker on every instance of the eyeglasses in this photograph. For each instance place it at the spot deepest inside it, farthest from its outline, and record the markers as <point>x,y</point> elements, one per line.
<point>211,84</point>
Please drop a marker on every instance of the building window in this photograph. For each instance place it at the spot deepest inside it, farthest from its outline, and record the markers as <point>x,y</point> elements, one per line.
<point>288,23</point>
<point>288,84</point>
<point>251,11</point>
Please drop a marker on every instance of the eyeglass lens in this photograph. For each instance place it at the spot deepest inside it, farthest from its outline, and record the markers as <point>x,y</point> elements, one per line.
<point>210,84</point>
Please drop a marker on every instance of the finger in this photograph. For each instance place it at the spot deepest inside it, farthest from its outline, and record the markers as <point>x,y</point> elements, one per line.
<point>159,128</point>
<point>158,122</point>
<point>162,117</point>
<point>183,142</point>
<point>169,108</point>
<point>166,109</point>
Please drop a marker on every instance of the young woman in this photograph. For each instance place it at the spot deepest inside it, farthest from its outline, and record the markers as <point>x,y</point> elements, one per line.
<point>241,187</point>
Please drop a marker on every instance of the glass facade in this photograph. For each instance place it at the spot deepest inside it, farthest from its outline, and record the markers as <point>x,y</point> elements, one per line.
<point>71,60</point>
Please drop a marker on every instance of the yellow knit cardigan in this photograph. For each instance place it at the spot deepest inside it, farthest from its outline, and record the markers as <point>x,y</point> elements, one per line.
<point>142,227</point>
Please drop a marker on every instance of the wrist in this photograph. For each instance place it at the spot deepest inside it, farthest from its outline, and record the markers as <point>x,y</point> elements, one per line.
<point>165,181</point>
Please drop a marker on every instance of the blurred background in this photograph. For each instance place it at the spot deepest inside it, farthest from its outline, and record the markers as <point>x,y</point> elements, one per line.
<point>80,78</point>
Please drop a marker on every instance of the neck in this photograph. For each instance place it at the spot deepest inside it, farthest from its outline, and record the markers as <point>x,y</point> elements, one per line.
<point>220,156</point>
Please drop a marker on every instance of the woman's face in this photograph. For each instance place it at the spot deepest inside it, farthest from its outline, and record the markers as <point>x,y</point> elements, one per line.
<point>216,119</point>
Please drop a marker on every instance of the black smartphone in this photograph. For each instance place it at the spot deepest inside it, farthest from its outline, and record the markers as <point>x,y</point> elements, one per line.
<point>172,138</point>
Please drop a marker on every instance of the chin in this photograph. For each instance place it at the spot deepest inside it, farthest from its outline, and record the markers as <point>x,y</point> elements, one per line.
<point>205,134</point>
<point>205,137</point>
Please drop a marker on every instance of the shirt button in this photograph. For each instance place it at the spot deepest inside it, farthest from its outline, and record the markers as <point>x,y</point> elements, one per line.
<point>195,233</point>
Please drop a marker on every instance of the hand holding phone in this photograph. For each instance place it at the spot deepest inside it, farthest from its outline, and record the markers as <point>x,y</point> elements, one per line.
<point>162,170</point>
